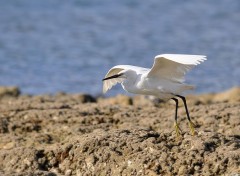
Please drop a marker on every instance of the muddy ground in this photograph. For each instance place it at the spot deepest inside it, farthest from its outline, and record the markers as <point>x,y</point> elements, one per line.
<point>80,135</point>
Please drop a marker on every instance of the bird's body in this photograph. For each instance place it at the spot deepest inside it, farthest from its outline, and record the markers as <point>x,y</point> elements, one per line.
<point>161,88</point>
<point>164,80</point>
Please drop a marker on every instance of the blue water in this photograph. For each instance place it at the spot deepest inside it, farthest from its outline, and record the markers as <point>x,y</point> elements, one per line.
<point>48,46</point>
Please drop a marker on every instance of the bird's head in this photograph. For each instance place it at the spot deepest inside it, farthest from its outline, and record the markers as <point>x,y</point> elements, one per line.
<point>125,74</point>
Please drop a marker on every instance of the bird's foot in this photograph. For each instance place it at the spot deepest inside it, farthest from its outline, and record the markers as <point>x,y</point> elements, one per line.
<point>178,129</point>
<point>192,127</point>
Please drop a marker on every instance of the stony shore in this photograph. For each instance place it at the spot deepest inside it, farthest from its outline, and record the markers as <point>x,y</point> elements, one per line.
<point>76,134</point>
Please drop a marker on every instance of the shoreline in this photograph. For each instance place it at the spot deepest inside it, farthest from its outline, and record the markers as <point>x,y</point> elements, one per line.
<point>77,134</point>
<point>16,91</point>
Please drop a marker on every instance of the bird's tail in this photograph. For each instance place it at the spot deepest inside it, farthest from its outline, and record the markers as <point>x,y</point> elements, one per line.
<point>184,88</point>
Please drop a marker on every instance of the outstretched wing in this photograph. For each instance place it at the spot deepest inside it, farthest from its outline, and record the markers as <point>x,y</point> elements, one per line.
<point>174,66</point>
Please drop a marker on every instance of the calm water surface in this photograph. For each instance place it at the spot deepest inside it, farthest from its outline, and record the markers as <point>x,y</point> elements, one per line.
<point>57,45</point>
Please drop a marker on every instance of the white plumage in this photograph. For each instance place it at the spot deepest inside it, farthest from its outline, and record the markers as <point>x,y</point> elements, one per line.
<point>108,84</point>
<point>164,80</point>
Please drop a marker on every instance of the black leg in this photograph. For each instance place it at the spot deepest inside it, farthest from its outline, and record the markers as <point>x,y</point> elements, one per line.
<point>185,105</point>
<point>177,128</point>
<point>176,110</point>
<point>191,124</point>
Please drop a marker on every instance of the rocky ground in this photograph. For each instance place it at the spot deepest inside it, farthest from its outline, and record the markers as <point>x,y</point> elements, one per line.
<point>81,135</point>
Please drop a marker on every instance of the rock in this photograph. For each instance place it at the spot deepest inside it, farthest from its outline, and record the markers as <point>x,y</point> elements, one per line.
<point>9,92</point>
<point>232,95</point>
<point>119,99</point>
<point>86,98</point>
<point>62,135</point>
<point>78,98</point>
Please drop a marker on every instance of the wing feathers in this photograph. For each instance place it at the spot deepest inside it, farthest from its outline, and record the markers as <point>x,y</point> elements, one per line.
<point>183,58</point>
<point>174,66</point>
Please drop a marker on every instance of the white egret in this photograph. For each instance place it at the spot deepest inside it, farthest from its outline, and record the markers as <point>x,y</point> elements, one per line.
<point>165,79</point>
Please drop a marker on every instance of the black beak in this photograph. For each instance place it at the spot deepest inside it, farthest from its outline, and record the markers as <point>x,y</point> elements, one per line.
<point>111,77</point>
